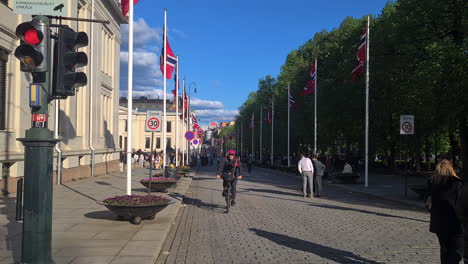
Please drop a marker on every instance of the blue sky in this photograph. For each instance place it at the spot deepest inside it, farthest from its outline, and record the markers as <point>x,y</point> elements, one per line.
<point>225,47</point>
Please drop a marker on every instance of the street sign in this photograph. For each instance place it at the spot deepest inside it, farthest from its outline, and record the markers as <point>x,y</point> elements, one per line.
<point>41,7</point>
<point>195,142</point>
<point>406,124</point>
<point>153,121</point>
<point>189,135</point>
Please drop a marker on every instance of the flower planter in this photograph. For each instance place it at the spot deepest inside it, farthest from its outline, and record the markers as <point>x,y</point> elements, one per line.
<point>137,212</point>
<point>159,184</point>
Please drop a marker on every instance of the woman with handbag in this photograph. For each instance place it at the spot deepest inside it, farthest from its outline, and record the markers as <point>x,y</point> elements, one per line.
<point>444,190</point>
<point>230,169</point>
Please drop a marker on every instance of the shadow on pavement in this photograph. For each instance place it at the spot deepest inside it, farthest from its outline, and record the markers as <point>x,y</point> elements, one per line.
<point>102,215</point>
<point>269,191</point>
<point>198,203</point>
<point>364,211</point>
<point>333,254</point>
<point>12,239</point>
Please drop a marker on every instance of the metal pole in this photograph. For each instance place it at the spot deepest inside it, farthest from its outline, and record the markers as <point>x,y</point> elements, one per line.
<point>253,130</point>
<point>272,125</point>
<point>289,116</point>
<point>38,170</point>
<point>366,173</point>
<point>261,134</point>
<point>164,95</point>
<point>177,115</point>
<point>183,121</point>
<point>151,164</point>
<point>315,110</point>
<point>57,146</point>
<point>129,100</point>
<point>241,140</point>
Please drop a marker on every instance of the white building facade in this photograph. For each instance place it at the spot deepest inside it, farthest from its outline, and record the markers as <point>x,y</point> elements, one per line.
<point>87,122</point>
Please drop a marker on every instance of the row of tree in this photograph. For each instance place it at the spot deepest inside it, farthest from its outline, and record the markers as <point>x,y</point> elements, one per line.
<point>418,65</point>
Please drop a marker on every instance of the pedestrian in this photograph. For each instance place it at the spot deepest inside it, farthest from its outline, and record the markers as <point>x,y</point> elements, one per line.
<point>444,193</point>
<point>306,168</point>
<point>135,160</point>
<point>141,160</point>
<point>319,169</point>
<point>463,211</point>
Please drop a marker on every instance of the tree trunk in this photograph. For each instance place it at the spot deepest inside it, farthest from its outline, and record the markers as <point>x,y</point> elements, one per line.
<point>464,146</point>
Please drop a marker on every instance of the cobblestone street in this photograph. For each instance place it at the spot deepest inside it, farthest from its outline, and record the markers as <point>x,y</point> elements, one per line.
<point>273,223</point>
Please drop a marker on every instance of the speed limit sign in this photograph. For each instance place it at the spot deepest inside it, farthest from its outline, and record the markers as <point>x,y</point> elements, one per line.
<point>153,121</point>
<point>407,125</point>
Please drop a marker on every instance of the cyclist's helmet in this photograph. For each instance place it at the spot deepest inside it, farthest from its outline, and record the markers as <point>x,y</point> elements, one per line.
<point>231,152</point>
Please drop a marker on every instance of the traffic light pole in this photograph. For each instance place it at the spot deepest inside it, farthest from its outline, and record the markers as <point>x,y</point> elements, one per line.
<point>38,161</point>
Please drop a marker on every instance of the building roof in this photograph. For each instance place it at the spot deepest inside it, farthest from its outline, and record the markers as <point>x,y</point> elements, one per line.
<point>144,104</point>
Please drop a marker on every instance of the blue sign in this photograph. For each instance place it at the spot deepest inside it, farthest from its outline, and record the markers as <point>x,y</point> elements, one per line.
<point>189,135</point>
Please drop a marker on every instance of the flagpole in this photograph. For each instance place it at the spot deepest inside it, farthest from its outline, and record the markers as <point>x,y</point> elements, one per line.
<point>130,99</point>
<point>315,110</point>
<point>253,130</point>
<point>261,134</point>
<point>183,120</point>
<point>164,140</point>
<point>289,116</point>
<point>366,173</point>
<point>272,125</point>
<point>177,115</point>
<point>242,125</point>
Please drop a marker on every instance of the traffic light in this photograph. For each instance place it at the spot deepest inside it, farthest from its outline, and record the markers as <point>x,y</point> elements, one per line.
<point>32,52</point>
<point>66,60</point>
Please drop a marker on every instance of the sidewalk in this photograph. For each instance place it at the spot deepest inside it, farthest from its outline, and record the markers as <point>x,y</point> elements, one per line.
<point>86,232</point>
<point>388,187</point>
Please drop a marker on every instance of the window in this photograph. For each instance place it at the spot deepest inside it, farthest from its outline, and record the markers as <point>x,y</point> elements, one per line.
<point>147,142</point>
<point>126,125</point>
<point>168,127</point>
<point>120,142</point>
<point>125,143</point>
<point>158,143</point>
<point>168,144</point>
<point>3,88</point>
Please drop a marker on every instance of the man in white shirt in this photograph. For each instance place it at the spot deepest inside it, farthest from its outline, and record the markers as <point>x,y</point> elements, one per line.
<point>306,168</point>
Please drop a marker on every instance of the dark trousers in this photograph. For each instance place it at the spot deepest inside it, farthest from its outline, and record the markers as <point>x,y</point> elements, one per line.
<point>233,188</point>
<point>451,248</point>
<point>318,185</point>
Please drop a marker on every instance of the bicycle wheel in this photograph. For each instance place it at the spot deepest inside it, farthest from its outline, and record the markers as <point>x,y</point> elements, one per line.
<point>228,197</point>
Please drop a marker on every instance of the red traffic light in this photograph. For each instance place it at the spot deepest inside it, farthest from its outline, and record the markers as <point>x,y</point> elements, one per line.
<point>32,37</point>
<point>29,33</point>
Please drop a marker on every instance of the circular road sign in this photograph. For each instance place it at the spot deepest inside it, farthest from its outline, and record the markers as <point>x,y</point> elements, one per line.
<point>407,127</point>
<point>189,135</point>
<point>153,123</point>
<point>195,142</point>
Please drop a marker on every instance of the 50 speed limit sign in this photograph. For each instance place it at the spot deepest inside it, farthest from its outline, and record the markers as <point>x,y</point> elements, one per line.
<point>407,125</point>
<point>153,121</point>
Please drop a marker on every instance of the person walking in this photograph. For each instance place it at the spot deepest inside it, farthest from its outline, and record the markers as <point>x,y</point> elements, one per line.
<point>141,160</point>
<point>444,192</point>
<point>319,169</point>
<point>306,168</point>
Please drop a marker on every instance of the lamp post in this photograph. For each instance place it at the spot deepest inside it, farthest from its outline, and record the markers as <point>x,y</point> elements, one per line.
<point>189,117</point>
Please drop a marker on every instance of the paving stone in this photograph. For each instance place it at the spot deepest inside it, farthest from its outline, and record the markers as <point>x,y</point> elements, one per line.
<point>273,223</point>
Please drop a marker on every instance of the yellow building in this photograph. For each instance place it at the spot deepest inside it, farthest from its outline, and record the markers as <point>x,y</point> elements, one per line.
<point>88,121</point>
<point>142,139</point>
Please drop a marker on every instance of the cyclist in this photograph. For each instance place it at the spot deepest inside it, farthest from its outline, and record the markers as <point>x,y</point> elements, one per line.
<point>230,169</point>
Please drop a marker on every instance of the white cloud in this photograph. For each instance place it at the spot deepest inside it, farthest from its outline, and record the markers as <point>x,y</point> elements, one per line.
<point>205,104</point>
<point>144,58</point>
<point>142,34</point>
<point>216,115</point>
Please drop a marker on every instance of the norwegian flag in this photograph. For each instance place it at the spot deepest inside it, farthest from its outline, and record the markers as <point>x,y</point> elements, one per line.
<point>269,117</point>
<point>361,56</point>
<point>310,85</point>
<point>292,102</point>
<point>194,118</point>
<point>126,6</point>
<point>171,60</point>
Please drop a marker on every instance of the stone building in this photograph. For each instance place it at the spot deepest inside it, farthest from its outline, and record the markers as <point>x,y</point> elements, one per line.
<point>142,139</point>
<point>88,121</point>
